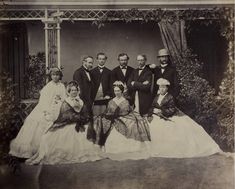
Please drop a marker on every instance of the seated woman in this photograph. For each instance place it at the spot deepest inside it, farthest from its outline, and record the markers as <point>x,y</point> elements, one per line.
<point>26,143</point>
<point>66,140</point>
<point>127,133</point>
<point>173,133</point>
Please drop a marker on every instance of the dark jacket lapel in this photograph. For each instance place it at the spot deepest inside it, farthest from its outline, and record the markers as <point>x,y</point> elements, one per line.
<point>121,73</point>
<point>143,71</point>
<point>105,71</point>
<point>85,75</point>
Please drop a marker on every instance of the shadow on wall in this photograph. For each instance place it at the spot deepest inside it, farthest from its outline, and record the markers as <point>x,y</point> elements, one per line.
<point>83,38</point>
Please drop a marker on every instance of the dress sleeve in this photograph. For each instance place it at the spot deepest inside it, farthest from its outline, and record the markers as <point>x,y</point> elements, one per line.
<point>150,113</point>
<point>53,113</point>
<point>169,109</point>
<point>46,98</point>
<point>64,94</point>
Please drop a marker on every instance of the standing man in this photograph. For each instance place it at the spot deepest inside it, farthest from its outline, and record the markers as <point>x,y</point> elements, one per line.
<point>166,71</point>
<point>102,85</point>
<point>139,86</point>
<point>84,79</point>
<point>123,71</point>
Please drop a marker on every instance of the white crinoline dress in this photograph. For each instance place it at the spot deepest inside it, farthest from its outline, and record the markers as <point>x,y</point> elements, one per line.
<point>26,144</point>
<point>179,136</point>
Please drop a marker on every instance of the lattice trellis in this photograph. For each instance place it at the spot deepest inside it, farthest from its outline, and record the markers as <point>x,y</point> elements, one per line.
<point>76,14</point>
<point>52,46</point>
<point>94,14</point>
<point>6,14</point>
<point>83,14</point>
<point>97,14</point>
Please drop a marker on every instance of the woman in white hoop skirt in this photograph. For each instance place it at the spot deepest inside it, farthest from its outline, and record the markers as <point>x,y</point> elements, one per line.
<point>66,140</point>
<point>26,144</point>
<point>174,134</point>
<point>123,133</point>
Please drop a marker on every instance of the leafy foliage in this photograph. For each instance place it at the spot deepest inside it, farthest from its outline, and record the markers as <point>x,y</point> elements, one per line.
<point>196,96</point>
<point>36,75</point>
<point>11,115</point>
<point>225,110</point>
<point>197,99</point>
<point>221,15</point>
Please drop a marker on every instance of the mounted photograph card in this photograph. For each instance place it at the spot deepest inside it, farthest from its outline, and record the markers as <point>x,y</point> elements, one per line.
<point>117,94</point>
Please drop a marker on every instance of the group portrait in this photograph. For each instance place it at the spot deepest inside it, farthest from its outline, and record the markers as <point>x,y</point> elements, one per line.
<point>138,92</point>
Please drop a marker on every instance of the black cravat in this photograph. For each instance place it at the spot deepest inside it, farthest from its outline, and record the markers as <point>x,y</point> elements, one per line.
<point>124,67</point>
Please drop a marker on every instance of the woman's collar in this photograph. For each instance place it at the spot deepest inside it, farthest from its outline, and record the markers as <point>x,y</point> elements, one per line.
<point>54,83</point>
<point>118,100</point>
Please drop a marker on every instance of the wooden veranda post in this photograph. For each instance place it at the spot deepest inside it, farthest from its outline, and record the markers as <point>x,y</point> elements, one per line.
<point>52,38</point>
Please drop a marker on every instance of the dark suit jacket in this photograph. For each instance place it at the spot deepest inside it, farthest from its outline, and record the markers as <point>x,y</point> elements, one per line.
<point>169,74</point>
<point>167,105</point>
<point>85,86</point>
<point>117,74</point>
<point>104,78</point>
<point>145,97</point>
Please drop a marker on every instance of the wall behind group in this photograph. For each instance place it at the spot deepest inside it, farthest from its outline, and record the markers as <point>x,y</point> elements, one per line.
<point>83,38</point>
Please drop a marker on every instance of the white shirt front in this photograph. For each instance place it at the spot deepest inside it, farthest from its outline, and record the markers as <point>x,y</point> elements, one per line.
<point>163,67</point>
<point>123,71</point>
<point>88,75</point>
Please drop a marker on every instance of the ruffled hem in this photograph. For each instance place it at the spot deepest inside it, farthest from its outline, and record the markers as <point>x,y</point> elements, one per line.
<point>65,158</point>
<point>22,150</point>
<point>26,144</point>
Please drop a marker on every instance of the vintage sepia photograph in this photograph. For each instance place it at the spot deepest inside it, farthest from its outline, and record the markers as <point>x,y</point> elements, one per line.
<point>117,94</point>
